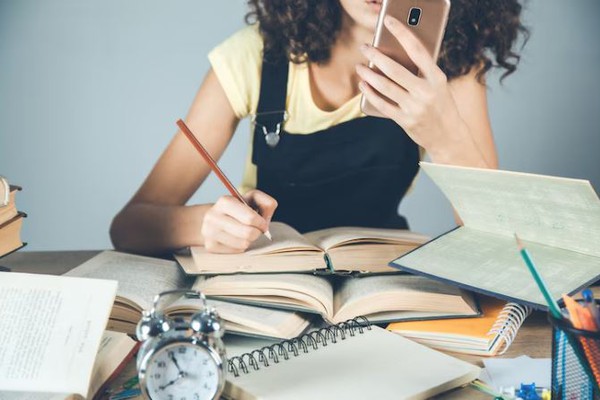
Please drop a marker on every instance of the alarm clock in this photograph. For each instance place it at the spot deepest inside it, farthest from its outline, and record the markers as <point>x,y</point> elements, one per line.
<point>181,359</point>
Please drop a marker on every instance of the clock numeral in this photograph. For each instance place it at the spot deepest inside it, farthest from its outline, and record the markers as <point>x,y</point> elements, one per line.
<point>196,396</point>
<point>170,353</point>
<point>157,376</point>
<point>205,361</point>
<point>161,364</point>
<point>182,350</point>
<point>205,386</point>
<point>210,374</point>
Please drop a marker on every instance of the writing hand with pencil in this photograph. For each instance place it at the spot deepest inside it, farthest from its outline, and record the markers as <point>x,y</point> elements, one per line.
<point>231,226</point>
<point>233,222</point>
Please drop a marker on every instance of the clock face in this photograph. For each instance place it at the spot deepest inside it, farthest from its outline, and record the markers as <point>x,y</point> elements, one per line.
<point>182,371</point>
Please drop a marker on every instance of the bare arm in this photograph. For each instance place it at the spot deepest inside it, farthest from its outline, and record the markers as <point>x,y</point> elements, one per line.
<point>156,220</point>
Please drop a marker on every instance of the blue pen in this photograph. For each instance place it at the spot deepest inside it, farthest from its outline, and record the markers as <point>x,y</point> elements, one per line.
<point>590,304</point>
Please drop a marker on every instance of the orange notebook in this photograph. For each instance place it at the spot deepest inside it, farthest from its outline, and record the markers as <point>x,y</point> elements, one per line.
<point>489,335</point>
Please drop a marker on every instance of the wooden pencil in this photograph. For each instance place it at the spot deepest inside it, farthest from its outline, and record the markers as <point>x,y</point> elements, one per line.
<point>214,167</point>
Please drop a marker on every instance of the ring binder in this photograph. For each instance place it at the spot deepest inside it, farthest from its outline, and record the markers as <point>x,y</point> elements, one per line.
<point>508,323</point>
<point>296,346</point>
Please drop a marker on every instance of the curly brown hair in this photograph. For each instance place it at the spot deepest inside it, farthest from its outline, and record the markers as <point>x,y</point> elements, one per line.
<point>480,33</point>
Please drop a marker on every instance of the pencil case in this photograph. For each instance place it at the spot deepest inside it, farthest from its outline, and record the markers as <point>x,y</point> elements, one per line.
<point>575,362</point>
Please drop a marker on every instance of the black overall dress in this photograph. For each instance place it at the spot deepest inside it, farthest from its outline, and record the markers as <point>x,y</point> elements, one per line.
<point>351,174</point>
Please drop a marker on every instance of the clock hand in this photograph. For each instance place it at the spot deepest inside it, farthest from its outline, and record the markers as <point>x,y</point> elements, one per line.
<point>172,355</point>
<point>180,375</point>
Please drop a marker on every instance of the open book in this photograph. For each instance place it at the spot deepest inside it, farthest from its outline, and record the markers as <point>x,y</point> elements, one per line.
<point>141,278</point>
<point>50,332</point>
<point>333,250</point>
<point>380,298</point>
<point>558,219</point>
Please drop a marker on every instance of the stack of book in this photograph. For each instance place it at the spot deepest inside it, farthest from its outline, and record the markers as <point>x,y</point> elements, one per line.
<point>11,220</point>
<point>279,289</point>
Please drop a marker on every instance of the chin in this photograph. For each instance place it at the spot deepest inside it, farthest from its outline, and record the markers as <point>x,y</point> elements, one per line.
<point>363,12</point>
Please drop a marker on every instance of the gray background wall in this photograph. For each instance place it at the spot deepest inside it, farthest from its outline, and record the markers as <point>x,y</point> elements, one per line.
<point>90,91</point>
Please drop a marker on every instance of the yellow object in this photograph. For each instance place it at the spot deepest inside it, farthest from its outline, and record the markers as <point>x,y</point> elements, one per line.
<point>546,394</point>
<point>480,336</point>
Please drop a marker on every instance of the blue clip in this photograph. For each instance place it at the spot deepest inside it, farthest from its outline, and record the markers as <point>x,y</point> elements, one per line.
<point>528,392</point>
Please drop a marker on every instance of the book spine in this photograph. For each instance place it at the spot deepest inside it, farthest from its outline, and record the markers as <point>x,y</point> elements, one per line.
<point>508,323</point>
<point>261,358</point>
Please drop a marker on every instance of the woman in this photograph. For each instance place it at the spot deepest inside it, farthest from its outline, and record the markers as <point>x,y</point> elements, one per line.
<point>315,160</point>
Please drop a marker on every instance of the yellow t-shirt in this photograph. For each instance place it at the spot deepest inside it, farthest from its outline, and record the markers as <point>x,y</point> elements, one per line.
<point>237,62</point>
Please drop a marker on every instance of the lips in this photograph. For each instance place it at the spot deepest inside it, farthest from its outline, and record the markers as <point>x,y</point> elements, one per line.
<point>374,4</point>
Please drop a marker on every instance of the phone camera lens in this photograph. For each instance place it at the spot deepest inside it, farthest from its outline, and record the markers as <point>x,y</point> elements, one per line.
<point>414,16</point>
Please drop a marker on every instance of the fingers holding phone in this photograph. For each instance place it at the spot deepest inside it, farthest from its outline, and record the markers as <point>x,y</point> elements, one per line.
<point>406,44</point>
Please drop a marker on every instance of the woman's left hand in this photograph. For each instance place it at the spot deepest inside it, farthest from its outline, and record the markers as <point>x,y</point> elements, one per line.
<point>422,105</point>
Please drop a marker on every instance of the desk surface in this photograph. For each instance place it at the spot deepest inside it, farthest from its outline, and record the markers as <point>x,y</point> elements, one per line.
<point>533,339</point>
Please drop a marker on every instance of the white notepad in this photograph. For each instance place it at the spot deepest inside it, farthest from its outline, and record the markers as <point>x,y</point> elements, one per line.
<point>372,364</point>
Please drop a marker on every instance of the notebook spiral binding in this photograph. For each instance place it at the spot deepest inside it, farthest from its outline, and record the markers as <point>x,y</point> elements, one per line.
<point>296,346</point>
<point>508,323</point>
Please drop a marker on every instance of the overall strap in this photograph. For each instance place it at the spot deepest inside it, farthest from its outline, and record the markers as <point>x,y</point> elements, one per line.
<point>273,92</point>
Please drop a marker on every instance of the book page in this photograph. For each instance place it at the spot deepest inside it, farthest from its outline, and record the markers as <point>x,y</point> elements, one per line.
<point>246,319</point>
<point>367,258</point>
<point>140,278</point>
<point>491,264</point>
<point>548,210</point>
<point>302,289</point>
<point>285,239</point>
<point>114,349</point>
<point>288,252</point>
<point>50,330</point>
<point>376,294</point>
<point>339,236</point>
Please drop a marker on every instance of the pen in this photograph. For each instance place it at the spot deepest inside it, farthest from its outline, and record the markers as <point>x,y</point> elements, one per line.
<point>552,305</point>
<point>590,304</point>
<point>213,165</point>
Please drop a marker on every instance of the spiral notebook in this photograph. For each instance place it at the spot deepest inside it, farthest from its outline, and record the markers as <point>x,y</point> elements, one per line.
<point>488,335</point>
<point>350,360</point>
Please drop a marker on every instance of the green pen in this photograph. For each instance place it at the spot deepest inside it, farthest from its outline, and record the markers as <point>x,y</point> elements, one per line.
<point>552,304</point>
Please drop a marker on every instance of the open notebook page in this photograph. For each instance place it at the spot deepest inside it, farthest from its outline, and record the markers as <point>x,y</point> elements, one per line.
<point>374,364</point>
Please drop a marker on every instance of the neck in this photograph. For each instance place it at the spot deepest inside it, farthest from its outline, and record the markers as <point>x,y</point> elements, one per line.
<point>345,53</point>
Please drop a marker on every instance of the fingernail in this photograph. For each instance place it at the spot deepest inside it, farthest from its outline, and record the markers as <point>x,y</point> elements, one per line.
<point>389,21</point>
<point>361,86</point>
<point>364,47</point>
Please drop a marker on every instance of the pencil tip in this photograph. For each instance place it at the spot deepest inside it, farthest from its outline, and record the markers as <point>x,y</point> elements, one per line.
<point>268,235</point>
<point>519,243</point>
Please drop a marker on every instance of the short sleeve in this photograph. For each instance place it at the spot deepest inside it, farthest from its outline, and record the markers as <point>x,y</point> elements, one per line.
<point>237,62</point>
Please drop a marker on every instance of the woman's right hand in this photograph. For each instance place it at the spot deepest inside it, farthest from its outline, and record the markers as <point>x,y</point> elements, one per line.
<point>230,226</point>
